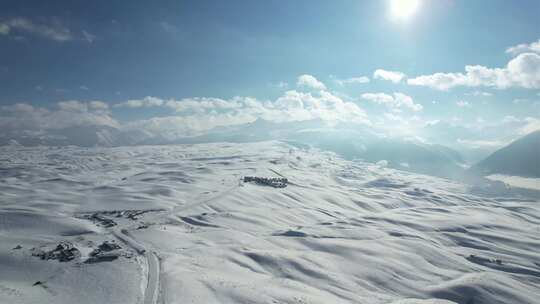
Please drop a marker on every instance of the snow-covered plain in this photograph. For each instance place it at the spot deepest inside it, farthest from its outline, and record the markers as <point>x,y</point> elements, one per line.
<point>517,181</point>
<point>341,232</point>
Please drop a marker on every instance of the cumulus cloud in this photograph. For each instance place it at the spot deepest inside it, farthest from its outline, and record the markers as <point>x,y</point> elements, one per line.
<point>382,163</point>
<point>280,85</point>
<point>308,81</point>
<point>88,36</point>
<point>392,76</point>
<point>531,124</point>
<point>188,117</point>
<point>4,29</point>
<point>522,71</point>
<point>393,117</point>
<point>397,100</point>
<point>479,94</point>
<point>475,144</point>
<point>73,105</point>
<point>22,117</point>
<point>463,104</point>
<point>54,31</point>
<point>169,28</point>
<point>203,104</point>
<point>98,105</point>
<point>524,48</point>
<point>146,102</point>
<point>352,80</point>
<point>380,98</point>
<point>519,100</point>
<point>472,134</point>
<point>195,104</point>
<point>198,115</point>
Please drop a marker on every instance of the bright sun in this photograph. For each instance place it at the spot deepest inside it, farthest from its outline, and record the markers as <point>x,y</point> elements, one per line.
<point>403,9</point>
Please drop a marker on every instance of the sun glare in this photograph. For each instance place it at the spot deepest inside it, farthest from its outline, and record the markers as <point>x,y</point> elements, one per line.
<point>403,9</point>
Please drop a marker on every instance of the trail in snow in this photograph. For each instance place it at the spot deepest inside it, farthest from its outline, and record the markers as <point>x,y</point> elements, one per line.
<point>151,293</point>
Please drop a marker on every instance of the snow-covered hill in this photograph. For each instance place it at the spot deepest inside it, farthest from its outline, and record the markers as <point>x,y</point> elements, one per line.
<point>190,231</point>
<point>520,158</point>
<point>351,141</point>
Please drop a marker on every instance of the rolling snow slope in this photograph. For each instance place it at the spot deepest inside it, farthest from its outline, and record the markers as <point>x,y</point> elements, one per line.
<point>192,232</point>
<point>520,158</point>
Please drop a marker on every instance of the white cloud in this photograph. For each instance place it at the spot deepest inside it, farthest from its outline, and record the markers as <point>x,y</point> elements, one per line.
<point>406,101</point>
<point>479,94</point>
<point>310,82</point>
<point>352,80</point>
<point>73,105</point>
<point>280,85</point>
<point>203,104</point>
<point>396,101</point>
<point>393,117</point>
<point>98,105</point>
<point>88,37</point>
<point>437,81</point>
<point>522,71</point>
<point>392,76</point>
<point>475,144</point>
<point>80,106</point>
<point>380,98</point>
<point>197,115</point>
<point>463,104</point>
<point>519,100</point>
<point>168,27</point>
<point>531,124</point>
<point>146,102</point>
<point>4,29</point>
<point>21,117</point>
<point>54,31</point>
<point>486,135</point>
<point>510,118</point>
<point>524,48</point>
<point>382,163</point>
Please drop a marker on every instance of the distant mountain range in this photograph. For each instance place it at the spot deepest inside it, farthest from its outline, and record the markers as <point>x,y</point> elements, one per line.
<point>521,158</point>
<point>82,136</point>
<point>351,141</point>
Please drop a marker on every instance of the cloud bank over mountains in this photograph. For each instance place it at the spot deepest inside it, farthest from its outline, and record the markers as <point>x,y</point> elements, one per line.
<point>398,100</point>
<point>389,114</point>
<point>189,117</point>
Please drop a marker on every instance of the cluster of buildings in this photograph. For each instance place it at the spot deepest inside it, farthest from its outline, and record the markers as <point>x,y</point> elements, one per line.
<point>276,182</point>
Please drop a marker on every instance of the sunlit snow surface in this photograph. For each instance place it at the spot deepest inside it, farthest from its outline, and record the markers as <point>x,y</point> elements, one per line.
<point>517,181</point>
<point>341,232</point>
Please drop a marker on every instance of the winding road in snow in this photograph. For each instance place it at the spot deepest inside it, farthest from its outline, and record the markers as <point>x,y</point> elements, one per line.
<point>151,293</point>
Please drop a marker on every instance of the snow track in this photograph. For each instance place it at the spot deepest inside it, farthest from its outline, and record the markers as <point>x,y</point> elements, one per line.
<point>151,293</point>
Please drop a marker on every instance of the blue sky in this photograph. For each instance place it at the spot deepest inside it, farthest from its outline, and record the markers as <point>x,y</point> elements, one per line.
<point>55,53</point>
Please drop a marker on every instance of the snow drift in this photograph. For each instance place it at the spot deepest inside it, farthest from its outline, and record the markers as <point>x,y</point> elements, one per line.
<point>187,229</point>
